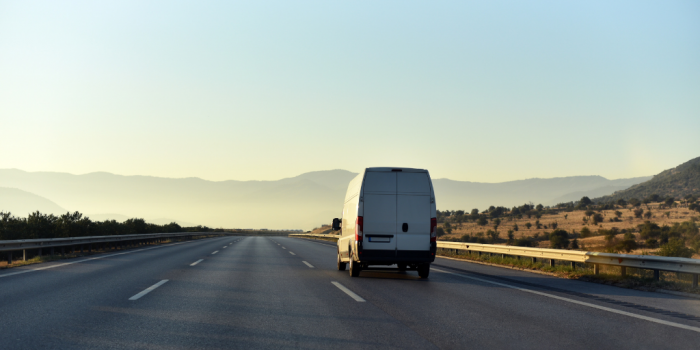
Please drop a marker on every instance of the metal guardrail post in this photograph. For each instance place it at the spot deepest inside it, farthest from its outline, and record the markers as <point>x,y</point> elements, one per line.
<point>551,263</point>
<point>695,280</point>
<point>9,258</point>
<point>24,255</point>
<point>573,265</point>
<point>656,275</point>
<point>623,271</point>
<point>596,269</point>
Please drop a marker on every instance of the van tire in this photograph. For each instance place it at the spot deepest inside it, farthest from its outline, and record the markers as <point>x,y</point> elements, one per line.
<point>424,270</point>
<point>341,264</point>
<point>354,268</point>
<point>402,267</point>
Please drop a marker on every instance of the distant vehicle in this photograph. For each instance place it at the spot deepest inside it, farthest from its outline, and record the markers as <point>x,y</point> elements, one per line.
<point>388,218</point>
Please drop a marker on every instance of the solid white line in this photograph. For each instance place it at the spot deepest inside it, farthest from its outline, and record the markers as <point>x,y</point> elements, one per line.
<point>214,252</point>
<point>196,262</point>
<point>80,261</point>
<point>148,290</point>
<point>307,264</point>
<point>348,292</point>
<point>292,253</point>
<point>620,312</point>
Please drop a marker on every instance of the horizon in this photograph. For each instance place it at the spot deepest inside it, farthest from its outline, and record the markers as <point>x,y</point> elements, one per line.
<point>317,171</point>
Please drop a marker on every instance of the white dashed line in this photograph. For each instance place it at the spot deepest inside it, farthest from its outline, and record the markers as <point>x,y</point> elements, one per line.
<point>620,312</point>
<point>214,252</point>
<point>349,292</point>
<point>307,264</point>
<point>148,290</point>
<point>292,253</point>
<point>196,262</point>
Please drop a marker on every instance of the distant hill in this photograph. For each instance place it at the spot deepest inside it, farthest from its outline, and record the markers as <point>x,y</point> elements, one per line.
<point>301,202</point>
<point>677,182</point>
<point>21,203</point>
<point>469,195</point>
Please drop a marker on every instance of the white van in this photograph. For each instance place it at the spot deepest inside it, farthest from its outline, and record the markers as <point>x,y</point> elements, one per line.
<point>388,218</point>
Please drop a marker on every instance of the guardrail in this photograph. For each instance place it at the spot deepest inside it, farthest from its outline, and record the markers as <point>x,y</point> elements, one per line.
<point>88,242</point>
<point>648,262</point>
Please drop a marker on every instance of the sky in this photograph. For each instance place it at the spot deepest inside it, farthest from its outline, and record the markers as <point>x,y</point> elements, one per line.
<point>262,90</point>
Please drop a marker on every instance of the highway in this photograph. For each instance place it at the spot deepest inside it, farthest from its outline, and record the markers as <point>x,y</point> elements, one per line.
<point>280,292</point>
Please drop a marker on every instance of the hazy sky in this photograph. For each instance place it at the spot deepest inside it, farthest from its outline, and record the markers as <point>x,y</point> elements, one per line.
<point>481,91</point>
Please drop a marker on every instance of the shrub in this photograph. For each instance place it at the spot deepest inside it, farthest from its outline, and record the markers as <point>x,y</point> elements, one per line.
<point>638,213</point>
<point>675,247</point>
<point>523,242</point>
<point>585,232</point>
<point>597,218</point>
<point>559,239</point>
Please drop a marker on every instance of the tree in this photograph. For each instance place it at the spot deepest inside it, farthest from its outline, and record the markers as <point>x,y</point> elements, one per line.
<point>511,236</point>
<point>638,213</point>
<point>574,244</point>
<point>647,215</point>
<point>669,201</point>
<point>539,207</point>
<point>559,239</point>
<point>621,202</point>
<point>515,227</point>
<point>597,218</point>
<point>537,224</point>
<point>528,225</point>
<point>482,221</point>
<point>496,223</point>
<point>618,213</point>
<point>585,201</point>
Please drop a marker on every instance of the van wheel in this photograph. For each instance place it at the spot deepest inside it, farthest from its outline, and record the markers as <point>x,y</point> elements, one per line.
<point>354,268</point>
<point>402,267</point>
<point>424,270</point>
<point>341,264</point>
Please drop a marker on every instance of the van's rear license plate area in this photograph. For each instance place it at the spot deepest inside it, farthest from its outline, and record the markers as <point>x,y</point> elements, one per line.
<point>380,238</point>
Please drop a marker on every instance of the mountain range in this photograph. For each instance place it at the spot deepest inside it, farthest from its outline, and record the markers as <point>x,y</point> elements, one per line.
<point>300,202</point>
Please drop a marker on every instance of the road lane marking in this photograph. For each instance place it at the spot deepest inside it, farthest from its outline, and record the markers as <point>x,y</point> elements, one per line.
<point>196,262</point>
<point>148,290</point>
<point>307,264</point>
<point>620,312</point>
<point>284,248</point>
<point>292,253</point>
<point>84,260</point>
<point>225,247</point>
<point>349,292</point>
<point>216,251</point>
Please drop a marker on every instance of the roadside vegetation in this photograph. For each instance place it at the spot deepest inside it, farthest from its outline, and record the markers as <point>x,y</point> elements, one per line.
<point>652,225</point>
<point>639,279</point>
<point>38,225</point>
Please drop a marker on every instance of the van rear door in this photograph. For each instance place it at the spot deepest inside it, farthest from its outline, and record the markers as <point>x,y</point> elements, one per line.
<point>379,197</point>
<point>413,212</point>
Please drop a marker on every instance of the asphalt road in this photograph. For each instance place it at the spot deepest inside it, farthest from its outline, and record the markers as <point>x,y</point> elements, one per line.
<point>279,292</point>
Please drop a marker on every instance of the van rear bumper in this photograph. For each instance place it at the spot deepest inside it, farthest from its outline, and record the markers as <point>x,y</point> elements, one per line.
<point>396,256</point>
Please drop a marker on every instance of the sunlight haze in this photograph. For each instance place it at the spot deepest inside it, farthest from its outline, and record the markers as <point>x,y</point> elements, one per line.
<point>472,91</point>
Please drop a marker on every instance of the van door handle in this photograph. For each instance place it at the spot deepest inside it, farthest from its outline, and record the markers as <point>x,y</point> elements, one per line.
<point>404,227</point>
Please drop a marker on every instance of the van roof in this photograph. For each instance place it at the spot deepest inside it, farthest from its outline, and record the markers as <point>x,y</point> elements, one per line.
<point>407,170</point>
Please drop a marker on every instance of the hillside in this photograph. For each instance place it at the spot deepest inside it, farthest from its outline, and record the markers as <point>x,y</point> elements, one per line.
<point>678,182</point>
<point>21,203</point>
<point>301,202</point>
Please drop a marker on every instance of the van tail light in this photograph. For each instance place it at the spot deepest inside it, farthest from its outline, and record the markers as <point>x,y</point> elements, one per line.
<point>358,229</point>
<point>433,230</point>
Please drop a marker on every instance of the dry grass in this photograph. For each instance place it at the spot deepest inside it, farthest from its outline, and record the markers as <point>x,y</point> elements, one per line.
<point>573,221</point>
